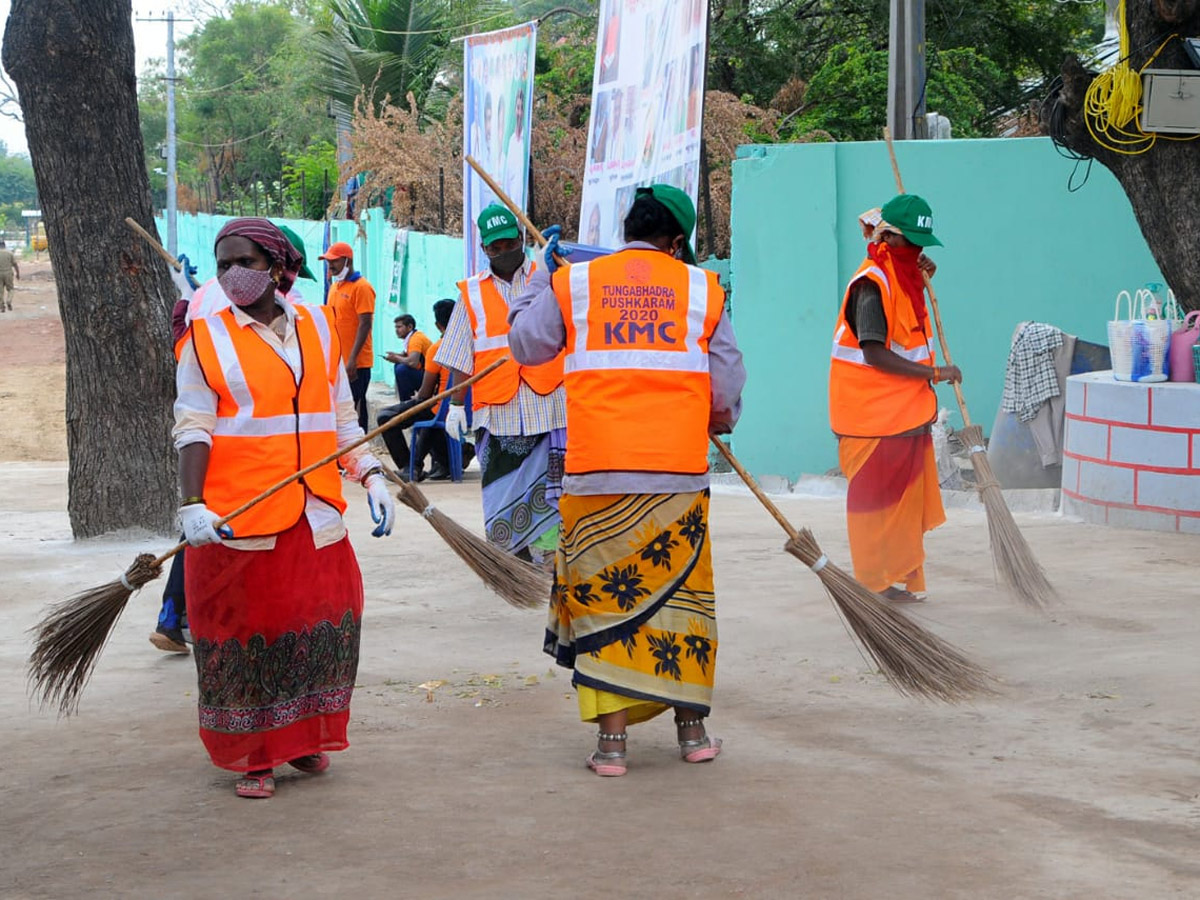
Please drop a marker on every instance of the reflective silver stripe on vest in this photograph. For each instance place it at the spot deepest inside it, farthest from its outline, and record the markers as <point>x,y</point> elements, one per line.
<point>482,340</point>
<point>273,426</point>
<point>244,423</point>
<point>855,355</point>
<point>321,323</point>
<point>691,359</point>
<point>231,366</point>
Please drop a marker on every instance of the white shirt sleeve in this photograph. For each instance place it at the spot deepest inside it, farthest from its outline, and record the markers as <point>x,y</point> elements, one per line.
<point>195,401</point>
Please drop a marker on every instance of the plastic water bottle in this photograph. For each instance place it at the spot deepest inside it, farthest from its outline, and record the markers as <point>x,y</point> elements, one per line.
<point>1155,309</point>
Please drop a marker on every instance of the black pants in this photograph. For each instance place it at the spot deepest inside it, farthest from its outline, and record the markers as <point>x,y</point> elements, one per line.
<point>430,441</point>
<point>358,390</point>
<point>408,381</point>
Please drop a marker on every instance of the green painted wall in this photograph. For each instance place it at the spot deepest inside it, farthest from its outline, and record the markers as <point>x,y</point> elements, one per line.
<point>1019,246</point>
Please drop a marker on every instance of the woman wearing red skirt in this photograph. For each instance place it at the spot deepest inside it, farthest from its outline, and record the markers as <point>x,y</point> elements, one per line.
<point>274,599</point>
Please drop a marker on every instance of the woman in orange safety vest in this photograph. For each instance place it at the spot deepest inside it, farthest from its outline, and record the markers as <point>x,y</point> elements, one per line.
<point>651,370</point>
<point>274,598</point>
<point>882,402</point>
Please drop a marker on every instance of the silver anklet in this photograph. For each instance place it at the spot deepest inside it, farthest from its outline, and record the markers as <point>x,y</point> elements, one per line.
<point>611,737</point>
<point>694,723</point>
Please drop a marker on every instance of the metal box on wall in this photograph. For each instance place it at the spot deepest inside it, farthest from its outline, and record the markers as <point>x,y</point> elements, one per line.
<point>1171,101</point>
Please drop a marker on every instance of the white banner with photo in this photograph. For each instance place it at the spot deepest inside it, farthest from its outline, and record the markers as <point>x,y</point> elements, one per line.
<point>497,100</point>
<point>647,107</point>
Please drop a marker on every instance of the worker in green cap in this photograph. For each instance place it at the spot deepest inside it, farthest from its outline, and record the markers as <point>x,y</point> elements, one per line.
<point>651,371</point>
<point>882,403</point>
<point>518,415</point>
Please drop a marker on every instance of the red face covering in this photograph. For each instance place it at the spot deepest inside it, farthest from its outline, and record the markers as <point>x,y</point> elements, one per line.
<point>904,262</point>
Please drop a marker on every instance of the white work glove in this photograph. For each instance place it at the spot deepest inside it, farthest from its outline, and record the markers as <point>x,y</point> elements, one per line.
<point>185,289</point>
<point>383,509</point>
<point>456,424</point>
<point>197,522</point>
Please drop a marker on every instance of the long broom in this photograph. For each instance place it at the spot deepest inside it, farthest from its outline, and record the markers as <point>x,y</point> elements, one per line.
<point>1011,553</point>
<point>522,584</point>
<point>71,634</point>
<point>913,661</point>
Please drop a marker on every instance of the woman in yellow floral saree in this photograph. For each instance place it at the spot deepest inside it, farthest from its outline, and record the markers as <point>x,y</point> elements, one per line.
<point>651,369</point>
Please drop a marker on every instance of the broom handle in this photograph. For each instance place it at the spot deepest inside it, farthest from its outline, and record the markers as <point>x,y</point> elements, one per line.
<point>941,333</point>
<point>507,201</point>
<point>937,314</point>
<point>390,423</point>
<point>753,485</point>
<point>170,260</point>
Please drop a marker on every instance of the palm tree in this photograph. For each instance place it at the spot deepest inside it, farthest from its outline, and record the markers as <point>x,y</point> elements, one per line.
<point>386,47</point>
<point>394,47</point>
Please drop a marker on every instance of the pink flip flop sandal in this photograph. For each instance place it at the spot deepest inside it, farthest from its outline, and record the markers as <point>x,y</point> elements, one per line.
<point>703,750</point>
<point>257,785</point>
<point>608,765</point>
<point>313,764</point>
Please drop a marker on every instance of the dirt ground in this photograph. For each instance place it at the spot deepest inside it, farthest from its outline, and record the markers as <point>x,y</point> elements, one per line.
<point>1081,780</point>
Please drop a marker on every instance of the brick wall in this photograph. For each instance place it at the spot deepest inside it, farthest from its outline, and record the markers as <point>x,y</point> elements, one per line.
<point>1131,454</point>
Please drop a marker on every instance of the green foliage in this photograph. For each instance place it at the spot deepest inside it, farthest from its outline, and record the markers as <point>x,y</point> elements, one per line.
<point>249,102</point>
<point>17,188</point>
<point>983,57</point>
<point>304,179</point>
<point>564,66</point>
<point>848,96</point>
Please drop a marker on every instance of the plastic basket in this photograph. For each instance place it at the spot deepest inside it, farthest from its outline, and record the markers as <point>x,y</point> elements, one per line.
<point>1196,360</point>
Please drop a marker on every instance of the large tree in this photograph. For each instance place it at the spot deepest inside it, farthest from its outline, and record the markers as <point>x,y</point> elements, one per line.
<point>73,64</point>
<point>1160,177</point>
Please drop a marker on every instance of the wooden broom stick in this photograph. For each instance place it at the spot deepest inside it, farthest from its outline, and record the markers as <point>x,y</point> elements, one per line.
<point>516,210</point>
<point>162,251</point>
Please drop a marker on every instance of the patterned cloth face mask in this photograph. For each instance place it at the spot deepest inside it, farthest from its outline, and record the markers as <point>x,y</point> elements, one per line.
<point>244,286</point>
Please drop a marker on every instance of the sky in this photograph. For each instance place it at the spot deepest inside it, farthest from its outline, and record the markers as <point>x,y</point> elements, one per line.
<point>150,39</point>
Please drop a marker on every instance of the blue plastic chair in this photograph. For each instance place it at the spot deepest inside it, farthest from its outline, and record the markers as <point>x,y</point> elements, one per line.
<point>453,445</point>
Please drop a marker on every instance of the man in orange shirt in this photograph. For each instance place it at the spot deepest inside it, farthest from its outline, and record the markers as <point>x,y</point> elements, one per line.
<point>411,360</point>
<point>431,441</point>
<point>353,302</point>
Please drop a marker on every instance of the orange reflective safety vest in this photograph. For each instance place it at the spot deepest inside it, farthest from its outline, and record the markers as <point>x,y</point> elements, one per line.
<point>639,396</point>
<point>268,425</point>
<point>489,324</point>
<point>863,401</point>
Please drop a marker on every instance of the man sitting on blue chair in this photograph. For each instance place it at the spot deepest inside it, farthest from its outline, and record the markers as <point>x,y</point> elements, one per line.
<point>429,441</point>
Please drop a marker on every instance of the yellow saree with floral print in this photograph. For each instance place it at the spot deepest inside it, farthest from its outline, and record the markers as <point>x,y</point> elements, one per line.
<point>633,610</point>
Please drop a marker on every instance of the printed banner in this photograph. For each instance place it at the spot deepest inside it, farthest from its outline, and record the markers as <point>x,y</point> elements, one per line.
<point>647,106</point>
<point>497,100</point>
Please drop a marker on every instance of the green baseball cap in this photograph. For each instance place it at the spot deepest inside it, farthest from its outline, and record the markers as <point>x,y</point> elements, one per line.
<point>680,205</point>
<point>497,222</point>
<point>294,240</point>
<point>913,217</point>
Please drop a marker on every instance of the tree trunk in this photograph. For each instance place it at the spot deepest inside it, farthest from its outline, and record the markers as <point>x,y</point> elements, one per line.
<point>1161,183</point>
<point>73,64</point>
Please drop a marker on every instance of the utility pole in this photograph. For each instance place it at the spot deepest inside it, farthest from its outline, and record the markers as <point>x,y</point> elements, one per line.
<point>906,70</point>
<point>172,160</point>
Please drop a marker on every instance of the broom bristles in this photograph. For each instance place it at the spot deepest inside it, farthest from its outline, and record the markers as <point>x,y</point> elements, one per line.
<point>914,661</point>
<point>1018,567</point>
<point>521,584</point>
<point>71,634</point>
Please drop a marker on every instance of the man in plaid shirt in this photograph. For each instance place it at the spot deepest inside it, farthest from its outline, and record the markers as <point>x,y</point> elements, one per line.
<point>520,439</point>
